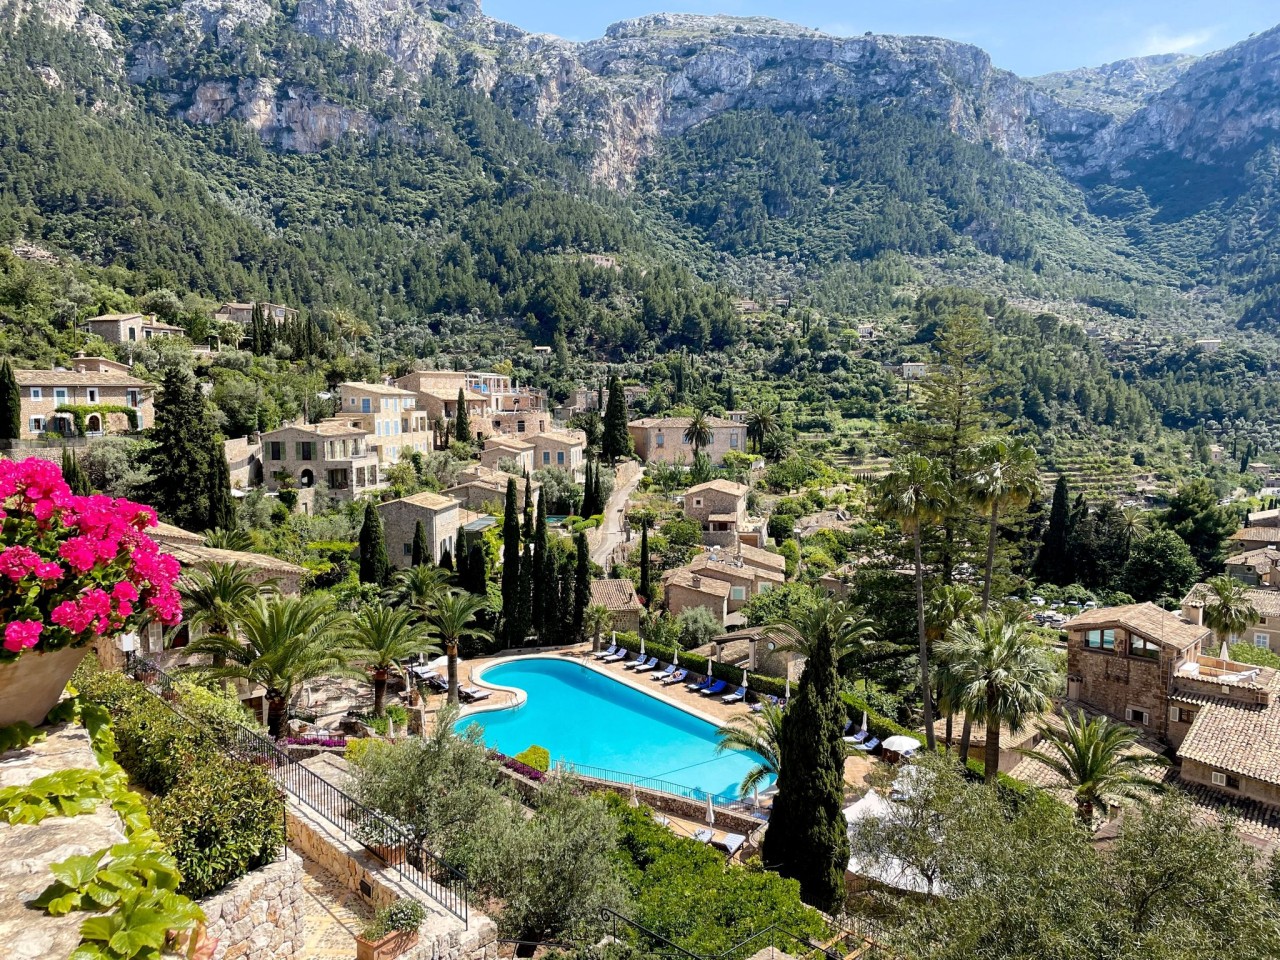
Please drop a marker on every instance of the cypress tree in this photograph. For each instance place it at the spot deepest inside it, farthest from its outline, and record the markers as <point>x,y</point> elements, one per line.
<point>462,423</point>
<point>599,482</point>
<point>373,548</point>
<point>563,632</point>
<point>646,588</point>
<point>222,508</point>
<point>615,442</point>
<point>1053,562</point>
<point>419,553</point>
<point>461,561</point>
<point>10,403</point>
<point>581,586</point>
<point>74,474</point>
<point>477,570</point>
<point>511,566</point>
<point>446,560</point>
<point>178,460</point>
<point>807,838</point>
<point>527,530</point>
<point>543,573</point>
<point>524,618</point>
<point>588,493</point>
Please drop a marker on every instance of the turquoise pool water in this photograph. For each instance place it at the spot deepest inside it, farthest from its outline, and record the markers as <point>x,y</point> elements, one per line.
<point>587,718</point>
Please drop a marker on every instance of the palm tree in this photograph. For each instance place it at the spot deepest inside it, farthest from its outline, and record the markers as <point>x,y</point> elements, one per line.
<point>762,422</point>
<point>596,620</point>
<point>698,432</point>
<point>419,588</point>
<point>454,621</point>
<point>829,621</point>
<point>1096,758</point>
<point>1134,520</point>
<point>1004,476</point>
<point>915,493</point>
<point>1228,612</point>
<point>759,732</point>
<point>1003,673</point>
<point>382,635</point>
<point>215,597</point>
<point>284,642</point>
<point>228,539</point>
<point>948,603</point>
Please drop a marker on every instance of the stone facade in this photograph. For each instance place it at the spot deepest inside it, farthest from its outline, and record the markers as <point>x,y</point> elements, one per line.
<point>390,417</point>
<point>244,461</point>
<point>684,589</point>
<point>131,327</point>
<point>259,916</point>
<point>440,520</point>
<point>91,381</point>
<point>662,438</point>
<point>333,455</point>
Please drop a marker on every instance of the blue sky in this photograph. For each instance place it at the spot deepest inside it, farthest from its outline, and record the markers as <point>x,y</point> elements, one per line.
<point>1027,36</point>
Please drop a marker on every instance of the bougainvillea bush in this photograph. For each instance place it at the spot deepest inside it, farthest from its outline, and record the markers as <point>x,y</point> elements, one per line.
<point>73,568</point>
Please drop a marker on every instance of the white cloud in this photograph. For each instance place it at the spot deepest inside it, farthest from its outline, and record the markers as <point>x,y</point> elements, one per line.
<point>1160,40</point>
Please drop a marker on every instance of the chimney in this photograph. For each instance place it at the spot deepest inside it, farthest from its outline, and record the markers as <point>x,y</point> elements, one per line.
<point>696,581</point>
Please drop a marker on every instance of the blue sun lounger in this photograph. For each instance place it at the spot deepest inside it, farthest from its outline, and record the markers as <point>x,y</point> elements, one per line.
<point>664,673</point>
<point>613,648</point>
<point>700,685</point>
<point>868,745</point>
<point>637,662</point>
<point>674,678</point>
<point>617,657</point>
<point>715,688</point>
<point>653,665</point>
<point>736,697</point>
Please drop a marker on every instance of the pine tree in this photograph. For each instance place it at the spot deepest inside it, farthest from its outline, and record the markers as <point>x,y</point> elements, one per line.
<point>511,579</point>
<point>1053,563</point>
<point>373,548</point>
<point>807,837</point>
<point>615,442</point>
<point>10,403</point>
<point>178,460</point>
<point>542,574</point>
<point>74,474</point>
<point>462,423</point>
<point>581,586</point>
<point>222,508</point>
<point>419,553</point>
<point>646,587</point>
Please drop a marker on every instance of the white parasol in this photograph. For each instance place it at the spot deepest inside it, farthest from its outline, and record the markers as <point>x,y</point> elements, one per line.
<point>642,648</point>
<point>901,744</point>
<point>711,812</point>
<point>787,693</point>
<point>864,721</point>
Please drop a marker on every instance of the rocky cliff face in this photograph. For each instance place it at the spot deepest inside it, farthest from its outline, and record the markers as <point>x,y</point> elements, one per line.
<point>660,75</point>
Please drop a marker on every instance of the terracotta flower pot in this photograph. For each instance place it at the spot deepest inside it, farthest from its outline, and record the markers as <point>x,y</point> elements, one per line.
<point>387,947</point>
<point>390,854</point>
<point>31,685</point>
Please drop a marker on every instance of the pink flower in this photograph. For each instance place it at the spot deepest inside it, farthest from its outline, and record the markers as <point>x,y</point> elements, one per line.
<point>80,552</point>
<point>21,635</point>
<point>49,571</point>
<point>124,590</point>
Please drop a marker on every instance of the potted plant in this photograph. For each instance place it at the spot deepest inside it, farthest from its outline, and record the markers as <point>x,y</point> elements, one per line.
<point>383,838</point>
<point>392,931</point>
<point>72,569</point>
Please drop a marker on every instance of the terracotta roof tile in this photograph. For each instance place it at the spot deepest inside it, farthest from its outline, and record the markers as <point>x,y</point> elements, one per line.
<point>615,595</point>
<point>1165,628</point>
<point>1239,738</point>
<point>1266,602</point>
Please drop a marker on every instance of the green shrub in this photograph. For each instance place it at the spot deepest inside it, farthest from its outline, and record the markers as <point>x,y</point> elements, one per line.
<point>114,691</point>
<point>220,821</point>
<point>880,726</point>
<point>404,915</point>
<point>537,757</point>
<point>155,745</point>
<point>397,715</point>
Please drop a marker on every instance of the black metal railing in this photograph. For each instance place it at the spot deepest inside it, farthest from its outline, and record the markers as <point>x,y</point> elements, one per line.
<point>841,944</point>
<point>390,842</point>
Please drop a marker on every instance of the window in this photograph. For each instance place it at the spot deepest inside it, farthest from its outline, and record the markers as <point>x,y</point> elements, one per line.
<point>365,406</point>
<point>306,449</point>
<point>560,457</point>
<point>60,394</point>
<point>1181,715</point>
<point>660,440</point>
<point>133,333</point>
<point>546,456</point>
<point>737,593</point>
<point>1224,780</point>
<point>132,398</point>
<point>276,450</point>
<point>1100,639</point>
<point>93,394</point>
<point>519,426</point>
<point>1136,716</point>
<point>37,424</point>
<point>1261,640</point>
<point>1142,647</point>
<point>37,393</point>
<point>733,440</point>
<point>408,549</point>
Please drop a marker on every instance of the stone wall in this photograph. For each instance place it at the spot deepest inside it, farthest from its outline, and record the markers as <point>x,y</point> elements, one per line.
<point>259,916</point>
<point>442,936</point>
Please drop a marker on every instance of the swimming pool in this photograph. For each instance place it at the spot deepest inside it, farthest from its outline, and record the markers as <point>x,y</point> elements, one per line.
<point>585,717</point>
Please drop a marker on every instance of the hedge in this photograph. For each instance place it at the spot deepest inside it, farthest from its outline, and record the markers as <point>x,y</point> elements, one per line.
<point>721,671</point>
<point>879,725</point>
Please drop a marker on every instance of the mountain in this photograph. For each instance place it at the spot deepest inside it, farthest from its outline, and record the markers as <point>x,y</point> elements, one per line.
<point>1118,88</point>
<point>746,150</point>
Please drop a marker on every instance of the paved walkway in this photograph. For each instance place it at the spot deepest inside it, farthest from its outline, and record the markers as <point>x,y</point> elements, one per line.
<point>332,915</point>
<point>614,516</point>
